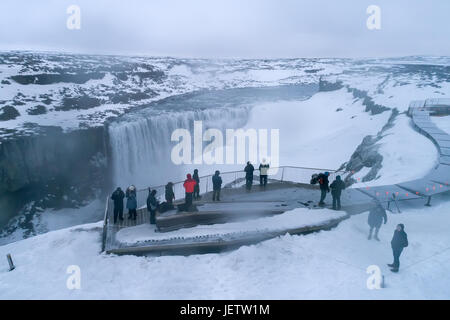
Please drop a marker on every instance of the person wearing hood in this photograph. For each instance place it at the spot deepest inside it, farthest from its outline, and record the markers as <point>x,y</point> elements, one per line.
<point>189,185</point>
<point>131,189</point>
<point>336,189</point>
<point>196,194</point>
<point>169,194</point>
<point>217,185</point>
<point>132,205</point>
<point>118,197</point>
<point>398,243</point>
<point>324,188</point>
<point>376,216</point>
<point>249,168</point>
<point>152,205</point>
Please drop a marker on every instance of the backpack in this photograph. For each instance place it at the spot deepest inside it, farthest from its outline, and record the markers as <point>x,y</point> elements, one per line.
<point>314,178</point>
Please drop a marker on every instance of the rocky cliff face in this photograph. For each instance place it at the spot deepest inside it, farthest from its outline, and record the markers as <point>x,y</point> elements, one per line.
<point>366,154</point>
<point>52,169</point>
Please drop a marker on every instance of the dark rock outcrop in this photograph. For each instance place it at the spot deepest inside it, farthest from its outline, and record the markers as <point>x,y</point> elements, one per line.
<point>325,86</point>
<point>366,154</point>
<point>39,109</point>
<point>44,79</point>
<point>77,103</point>
<point>8,113</point>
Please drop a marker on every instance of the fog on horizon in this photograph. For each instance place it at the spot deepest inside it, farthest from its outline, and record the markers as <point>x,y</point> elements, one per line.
<point>229,28</point>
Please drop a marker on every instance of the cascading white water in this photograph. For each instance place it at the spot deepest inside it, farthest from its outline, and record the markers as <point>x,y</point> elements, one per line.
<point>141,141</point>
<point>141,148</point>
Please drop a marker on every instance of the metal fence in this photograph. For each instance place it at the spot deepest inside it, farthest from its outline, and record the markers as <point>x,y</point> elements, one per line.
<point>231,179</point>
<point>236,179</point>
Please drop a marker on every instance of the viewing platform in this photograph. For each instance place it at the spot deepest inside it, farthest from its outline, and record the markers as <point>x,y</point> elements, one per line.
<point>229,223</point>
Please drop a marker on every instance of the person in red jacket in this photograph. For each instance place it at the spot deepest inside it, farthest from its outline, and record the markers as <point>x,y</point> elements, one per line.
<point>189,186</point>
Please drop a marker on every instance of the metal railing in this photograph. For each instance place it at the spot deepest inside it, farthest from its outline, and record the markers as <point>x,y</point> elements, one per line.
<point>230,179</point>
<point>236,179</point>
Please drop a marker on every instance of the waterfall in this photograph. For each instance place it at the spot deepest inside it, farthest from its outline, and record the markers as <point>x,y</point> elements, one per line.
<point>141,141</point>
<point>141,148</point>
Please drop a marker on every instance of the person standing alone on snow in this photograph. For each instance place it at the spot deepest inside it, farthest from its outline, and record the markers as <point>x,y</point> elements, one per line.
<point>249,175</point>
<point>118,197</point>
<point>189,185</point>
<point>336,189</point>
<point>398,243</point>
<point>376,216</point>
<point>217,186</point>
<point>324,188</point>
<point>263,172</point>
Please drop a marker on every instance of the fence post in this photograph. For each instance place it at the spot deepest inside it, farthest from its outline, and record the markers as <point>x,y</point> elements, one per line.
<point>11,264</point>
<point>282,175</point>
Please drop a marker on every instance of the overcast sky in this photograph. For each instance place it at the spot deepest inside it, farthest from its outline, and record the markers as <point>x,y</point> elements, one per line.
<point>229,28</point>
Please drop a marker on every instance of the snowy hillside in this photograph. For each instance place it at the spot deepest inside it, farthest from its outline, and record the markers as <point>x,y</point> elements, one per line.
<point>110,119</point>
<point>75,91</point>
<point>326,265</point>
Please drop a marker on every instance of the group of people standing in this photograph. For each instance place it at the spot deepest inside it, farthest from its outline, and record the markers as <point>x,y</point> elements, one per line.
<point>376,215</point>
<point>336,188</point>
<point>192,188</point>
<point>130,194</point>
<point>263,174</point>
<point>118,196</point>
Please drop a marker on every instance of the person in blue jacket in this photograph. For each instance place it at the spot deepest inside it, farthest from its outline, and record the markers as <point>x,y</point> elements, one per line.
<point>132,205</point>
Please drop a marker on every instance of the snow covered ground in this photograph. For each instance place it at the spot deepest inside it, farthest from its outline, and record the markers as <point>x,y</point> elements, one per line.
<point>296,218</point>
<point>320,132</point>
<point>324,131</point>
<point>49,220</point>
<point>326,265</point>
<point>118,83</point>
<point>407,155</point>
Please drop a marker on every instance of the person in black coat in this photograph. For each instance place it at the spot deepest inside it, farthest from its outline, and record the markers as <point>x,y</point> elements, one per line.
<point>324,188</point>
<point>336,190</point>
<point>398,243</point>
<point>118,197</point>
<point>169,194</point>
<point>376,216</point>
<point>217,186</point>
<point>152,205</point>
<point>249,169</point>
<point>196,194</point>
